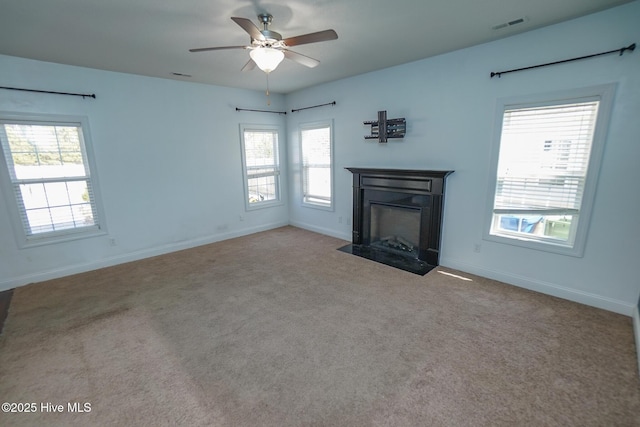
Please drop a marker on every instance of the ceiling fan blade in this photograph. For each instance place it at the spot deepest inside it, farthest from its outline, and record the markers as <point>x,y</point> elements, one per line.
<point>205,49</point>
<point>249,27</point>
<point>249,65</point>
<point>301,59</point>
<point>320,36</point>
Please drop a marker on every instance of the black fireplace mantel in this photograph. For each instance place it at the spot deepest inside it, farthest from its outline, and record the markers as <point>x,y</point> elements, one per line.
<point>371,185</point>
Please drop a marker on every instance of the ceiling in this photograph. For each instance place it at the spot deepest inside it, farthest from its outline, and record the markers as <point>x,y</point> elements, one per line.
<point>153,37</point>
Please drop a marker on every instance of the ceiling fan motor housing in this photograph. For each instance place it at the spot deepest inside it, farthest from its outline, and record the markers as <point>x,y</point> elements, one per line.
<point>271,35</point>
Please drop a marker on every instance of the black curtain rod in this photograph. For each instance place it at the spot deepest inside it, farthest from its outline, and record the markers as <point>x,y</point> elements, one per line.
<point>261,111</point>
<point>620,51</point>
<point>314,106</point>
<point>83,95</point>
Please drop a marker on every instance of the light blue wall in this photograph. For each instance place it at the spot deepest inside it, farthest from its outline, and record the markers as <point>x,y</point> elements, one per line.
<point>449,103</point>
<point>168,161</point>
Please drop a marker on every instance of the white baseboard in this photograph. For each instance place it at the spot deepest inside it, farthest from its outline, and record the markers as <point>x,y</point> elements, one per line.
<point>322,230</point>
<point>636,329</point>
<point>128,257</point>
<point>547,288</point>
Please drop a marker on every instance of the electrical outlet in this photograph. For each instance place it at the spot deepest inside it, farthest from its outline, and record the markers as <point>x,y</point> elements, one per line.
<point>112,242</point>
<point>339,220</point>
<point>241,217</point>
<point>477,247</point>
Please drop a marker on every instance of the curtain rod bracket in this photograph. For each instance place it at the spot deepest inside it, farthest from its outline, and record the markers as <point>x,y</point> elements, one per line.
<point>631,48</point>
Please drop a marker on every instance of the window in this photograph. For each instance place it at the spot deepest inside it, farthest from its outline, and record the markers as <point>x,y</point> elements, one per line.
<point>261,165</point>
<point>317,165</point>
<point>546,169</point>
<point>50,183</point>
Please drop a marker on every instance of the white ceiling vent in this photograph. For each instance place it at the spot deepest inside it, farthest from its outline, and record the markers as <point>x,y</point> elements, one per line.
<point>511,23</point>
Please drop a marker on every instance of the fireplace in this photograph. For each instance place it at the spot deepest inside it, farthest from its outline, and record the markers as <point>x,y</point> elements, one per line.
<point>395,228</point>
<point>397,217</point>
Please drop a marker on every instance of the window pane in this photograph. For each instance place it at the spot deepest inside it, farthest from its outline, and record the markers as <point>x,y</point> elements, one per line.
<point>544,154</point>
<point>46,164</point>
<point>319,181</point>
<point>37,152</point>
<point>542,171</point>
<point>262,189</point>
<point>261,165</point>
<point>57,193</point>
<point>62,217</point>
<point>39,220</point>
<point>315,144</point>
<point>33,196</point>
<point>78,192</point>
<point>551,227</point>
<point>83,215</point>
<point>259,148</point>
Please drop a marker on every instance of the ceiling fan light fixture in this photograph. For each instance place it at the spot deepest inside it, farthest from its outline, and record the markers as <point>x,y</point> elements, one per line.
<point>266,58</point>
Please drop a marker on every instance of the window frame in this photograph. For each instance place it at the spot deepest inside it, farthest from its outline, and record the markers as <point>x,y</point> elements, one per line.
<point>17,214</point>
<point>275,129</point>
<point>604,94</point>
<point>303,183</point>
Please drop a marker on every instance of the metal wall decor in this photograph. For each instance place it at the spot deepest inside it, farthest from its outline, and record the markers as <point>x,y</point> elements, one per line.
<point>384,129</point>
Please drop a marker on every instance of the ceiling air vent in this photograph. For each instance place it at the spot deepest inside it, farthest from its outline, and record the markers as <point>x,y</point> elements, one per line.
<point>510,23</point>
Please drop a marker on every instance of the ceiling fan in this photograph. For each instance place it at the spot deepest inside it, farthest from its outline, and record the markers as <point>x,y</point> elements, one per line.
<point>268,48</point>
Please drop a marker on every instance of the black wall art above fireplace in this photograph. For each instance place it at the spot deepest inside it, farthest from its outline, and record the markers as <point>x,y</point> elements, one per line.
<point>397,217</point>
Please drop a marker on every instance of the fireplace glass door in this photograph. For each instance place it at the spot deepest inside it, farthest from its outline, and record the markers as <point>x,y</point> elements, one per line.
<point>395,228</point>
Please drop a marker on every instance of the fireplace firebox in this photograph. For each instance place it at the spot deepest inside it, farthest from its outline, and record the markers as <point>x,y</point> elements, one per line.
<point>397,217</point>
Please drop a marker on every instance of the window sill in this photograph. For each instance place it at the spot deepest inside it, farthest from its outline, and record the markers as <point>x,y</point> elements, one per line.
<point>318,206</point>
<point>35,241</point>
<point>263,205</point>
<point>544,246</point>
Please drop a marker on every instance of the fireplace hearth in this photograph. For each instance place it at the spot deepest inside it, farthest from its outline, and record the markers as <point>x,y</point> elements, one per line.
<point>397,217</point>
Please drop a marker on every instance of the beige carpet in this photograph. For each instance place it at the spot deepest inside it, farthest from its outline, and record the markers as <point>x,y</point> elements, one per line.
<point>281,329</point>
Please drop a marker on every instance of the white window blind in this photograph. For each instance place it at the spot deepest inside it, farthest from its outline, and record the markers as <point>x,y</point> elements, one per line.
<point>544,157</point>
<point>316,165</point>
<point>50,177</point>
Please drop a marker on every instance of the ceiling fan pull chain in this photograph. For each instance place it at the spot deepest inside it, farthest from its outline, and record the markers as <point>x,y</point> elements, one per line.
<point>268,100</point>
